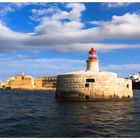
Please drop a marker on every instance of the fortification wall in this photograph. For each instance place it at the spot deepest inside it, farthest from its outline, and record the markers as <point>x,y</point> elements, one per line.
<point>2,85</point>
<point>21,83</point>
<point>37,83</point>
<point>29,83</point>
<point>40,84</point>
<point>102,85</point>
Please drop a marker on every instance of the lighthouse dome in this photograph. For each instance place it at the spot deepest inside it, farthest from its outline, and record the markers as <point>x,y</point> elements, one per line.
<point>92,50</point>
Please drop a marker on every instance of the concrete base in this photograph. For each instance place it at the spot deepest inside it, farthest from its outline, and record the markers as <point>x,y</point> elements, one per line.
<point>96,97</point>
<point>93,86</point>
<point>93,99</point>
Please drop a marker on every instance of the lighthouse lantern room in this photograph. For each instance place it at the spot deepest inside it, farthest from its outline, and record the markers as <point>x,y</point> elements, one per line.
<point>92,62</point>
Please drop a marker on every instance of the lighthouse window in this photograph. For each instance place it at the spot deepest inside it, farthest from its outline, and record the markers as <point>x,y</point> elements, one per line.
<point>86,97</point>
<point>90,80</point>
<point>86,85</point>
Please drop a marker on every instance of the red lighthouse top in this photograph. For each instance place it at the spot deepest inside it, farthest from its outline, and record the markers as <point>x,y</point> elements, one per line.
<point>92,54</point>
<point>92,50</point>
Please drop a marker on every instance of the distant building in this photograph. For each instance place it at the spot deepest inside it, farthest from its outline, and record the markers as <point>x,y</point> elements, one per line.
<point>38,83</point>
<point>135,77</point>
<point>23,81</point>
<point>135,80</point>
<point>2,85</point>
<point>45,82</point>
<point>20,81</point>
<point>49,82</point>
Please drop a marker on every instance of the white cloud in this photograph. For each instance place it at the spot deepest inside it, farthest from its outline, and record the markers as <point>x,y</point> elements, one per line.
<point>124,67</point>
<point>63,31</point>
<point>125,26</point>
<point>54,66</point>
<point>37,67</point>
<point>54,20</point>
<point>6,9</point>
<point>116,4</point>
<point>58,41</point>
<point>123,70</point>
<point>37,14</point>
<point>10,7</point>
<point>75,13</point>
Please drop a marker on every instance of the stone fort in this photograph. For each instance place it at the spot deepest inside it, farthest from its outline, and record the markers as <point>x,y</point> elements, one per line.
<point>27,82</point>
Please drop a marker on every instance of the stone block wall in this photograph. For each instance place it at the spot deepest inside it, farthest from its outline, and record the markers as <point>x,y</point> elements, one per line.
<point>30,83</point>
<point>27,83</point>
<point>104,85</point>
<point>37,83</point>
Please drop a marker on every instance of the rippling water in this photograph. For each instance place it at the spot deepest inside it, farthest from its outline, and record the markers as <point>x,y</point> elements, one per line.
<point>38,114</point>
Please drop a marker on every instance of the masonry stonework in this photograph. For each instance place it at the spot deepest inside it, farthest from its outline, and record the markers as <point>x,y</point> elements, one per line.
<point>92,85</point>
<point>27,82</point>
<point>20,81</point>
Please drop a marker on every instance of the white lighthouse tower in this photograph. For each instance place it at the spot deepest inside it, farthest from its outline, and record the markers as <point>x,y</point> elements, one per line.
<point>92,62</point>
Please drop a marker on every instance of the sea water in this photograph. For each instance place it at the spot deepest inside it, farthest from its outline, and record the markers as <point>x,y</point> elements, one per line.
<point>37,114</point>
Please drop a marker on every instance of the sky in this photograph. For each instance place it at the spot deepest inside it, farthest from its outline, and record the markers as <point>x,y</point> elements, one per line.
<point>42,39</point>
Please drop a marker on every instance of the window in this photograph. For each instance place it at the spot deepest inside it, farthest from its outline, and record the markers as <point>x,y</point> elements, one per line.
<point>127,86</point>
<point>86,97</point>
<point>22,77</point>
<point>90,80</point>
<point>86,85</point>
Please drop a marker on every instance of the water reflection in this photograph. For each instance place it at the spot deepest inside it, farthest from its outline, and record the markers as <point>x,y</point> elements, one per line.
<point>38,114</point>
<point>96,119</point>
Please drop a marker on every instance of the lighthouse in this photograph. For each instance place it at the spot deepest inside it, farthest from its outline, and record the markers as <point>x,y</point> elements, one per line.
<point>93,84</point>
<point>92,62</point>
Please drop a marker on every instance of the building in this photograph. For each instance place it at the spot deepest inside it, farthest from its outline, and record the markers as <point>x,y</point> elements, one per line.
<point>49,82</point>
<point>135,77</point>
<point>38,83</point>
<point>2,85</point>
<point>135,80</point>
<point>27,82</point>
<point>45,83</point>
<point>93,84</point>
<point>20,81</point>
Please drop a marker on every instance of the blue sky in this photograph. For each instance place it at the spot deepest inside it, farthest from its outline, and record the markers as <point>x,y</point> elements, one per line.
<point>53,38</point>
